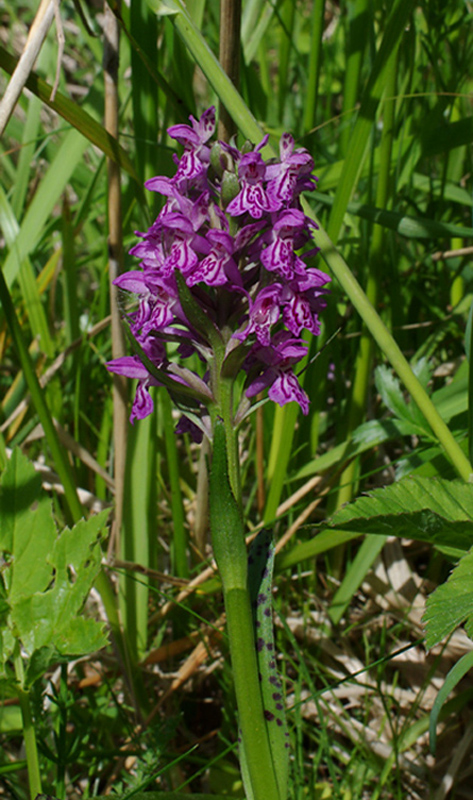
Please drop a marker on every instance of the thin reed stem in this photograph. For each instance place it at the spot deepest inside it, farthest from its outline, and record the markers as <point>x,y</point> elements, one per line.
<point>29,735</point>
<point>115,249</point>
<point>364,358</point>
<point>229,57</point>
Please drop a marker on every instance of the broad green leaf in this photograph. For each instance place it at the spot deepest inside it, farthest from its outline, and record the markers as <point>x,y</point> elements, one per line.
<point>46,577</point>
<point>425,509</point>
<point>22,528</point>
<point>451,604</point>
<point>50,617</point>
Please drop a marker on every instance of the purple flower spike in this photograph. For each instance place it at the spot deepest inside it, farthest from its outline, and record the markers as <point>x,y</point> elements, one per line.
<point>240,248</point>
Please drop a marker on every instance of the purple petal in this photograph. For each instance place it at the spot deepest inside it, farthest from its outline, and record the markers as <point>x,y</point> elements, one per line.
<point>133,281</point>
<point>130,366</point>
<point>184,134</point>
<point>264,312</point>
<point>261,383</point>
<point>297,315</point>
<point>142,404</point>
<point>286,389</point>
<point>162,185</point>
<point>286,146</point>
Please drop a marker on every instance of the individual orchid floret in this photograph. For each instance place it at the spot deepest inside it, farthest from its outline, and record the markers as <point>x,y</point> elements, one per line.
<point>277,361</point>
<point>158,300</point>
<point>264,312</point>
<point>196,155</point>
<point>218,267</point>
<point>253,197</point>
<point>295,167</point>
<point>132,367</point>
<point>288,233</point>
<point>301,307</point>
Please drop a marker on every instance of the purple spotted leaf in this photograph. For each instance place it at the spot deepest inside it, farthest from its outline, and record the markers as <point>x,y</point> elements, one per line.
<point>260,576</point>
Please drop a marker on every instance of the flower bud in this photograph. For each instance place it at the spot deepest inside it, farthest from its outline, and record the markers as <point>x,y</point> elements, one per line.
<point>230,187</point>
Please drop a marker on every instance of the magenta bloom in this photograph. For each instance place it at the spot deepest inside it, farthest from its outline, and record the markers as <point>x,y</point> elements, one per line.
<point>227,274</point>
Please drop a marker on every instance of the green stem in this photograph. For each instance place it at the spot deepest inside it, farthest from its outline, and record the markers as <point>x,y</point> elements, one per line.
<point>34,776</point>
<point>248,694</point>
<point>230,554</point>
<point>315,58</point>
<point>357,39</point>
<point>226,400</point>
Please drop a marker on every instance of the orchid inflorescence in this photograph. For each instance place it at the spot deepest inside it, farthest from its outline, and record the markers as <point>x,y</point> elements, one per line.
<point>221,276</point>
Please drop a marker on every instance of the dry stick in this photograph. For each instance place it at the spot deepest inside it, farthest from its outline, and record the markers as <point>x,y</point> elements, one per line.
<point>40,27</point>
<point>115,251</point>
<point>229,57</point>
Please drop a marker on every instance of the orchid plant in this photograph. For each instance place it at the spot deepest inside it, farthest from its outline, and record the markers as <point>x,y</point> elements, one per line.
<point>226,275</point>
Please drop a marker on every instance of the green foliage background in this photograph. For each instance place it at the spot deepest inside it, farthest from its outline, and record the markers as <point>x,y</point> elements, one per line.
<point>380,92</point>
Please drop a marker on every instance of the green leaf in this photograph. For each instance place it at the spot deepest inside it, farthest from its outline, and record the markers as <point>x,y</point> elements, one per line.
<point>50,617</point>
<point>260,576</point>
<point>451,604</point>
<point>21,528</point>
<point>425,509</point>
<point>392,395</point>
<point>454,677</point>
<point>46,578</point>
<point>74,114</point>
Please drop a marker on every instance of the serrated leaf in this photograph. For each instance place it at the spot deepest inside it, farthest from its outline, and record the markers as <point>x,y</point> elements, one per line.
<point>451,604</point>
<point>425,509</point>
<point>21,528</point>
<point>46,576</point>
<point>49,618</point>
